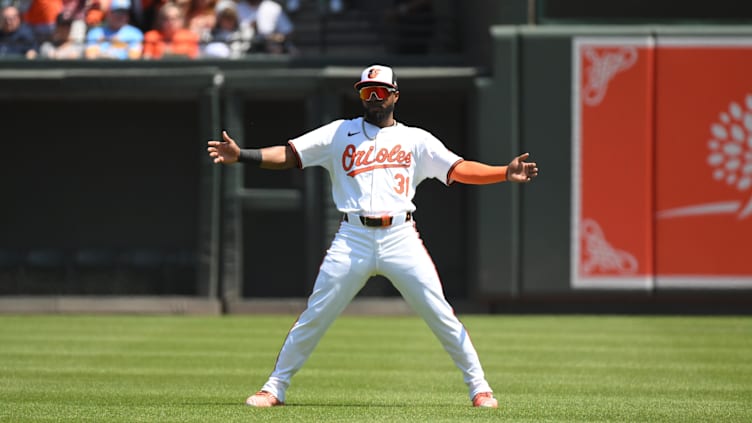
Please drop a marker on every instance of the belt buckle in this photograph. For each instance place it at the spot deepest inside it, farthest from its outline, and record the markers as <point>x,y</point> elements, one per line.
<point>376,222</point>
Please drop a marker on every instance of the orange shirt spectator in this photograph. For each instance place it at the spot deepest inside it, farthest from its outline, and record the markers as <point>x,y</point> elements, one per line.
<point>41,17</point>
<point>43,12</point>
<point>171,38</point>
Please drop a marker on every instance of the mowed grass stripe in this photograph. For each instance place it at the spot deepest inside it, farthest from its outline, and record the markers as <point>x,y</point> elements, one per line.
<point>390,369</point>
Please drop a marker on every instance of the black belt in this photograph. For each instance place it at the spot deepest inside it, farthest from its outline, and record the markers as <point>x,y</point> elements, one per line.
<point>377,222</point>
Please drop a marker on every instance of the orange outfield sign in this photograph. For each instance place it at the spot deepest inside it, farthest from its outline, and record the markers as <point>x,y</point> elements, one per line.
<point>662,163</point>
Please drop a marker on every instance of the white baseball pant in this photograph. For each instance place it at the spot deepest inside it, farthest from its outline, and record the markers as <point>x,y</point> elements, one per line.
<point>357,253</point>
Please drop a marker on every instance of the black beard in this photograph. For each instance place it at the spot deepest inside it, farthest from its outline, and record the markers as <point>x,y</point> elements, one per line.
<point>379,115</point>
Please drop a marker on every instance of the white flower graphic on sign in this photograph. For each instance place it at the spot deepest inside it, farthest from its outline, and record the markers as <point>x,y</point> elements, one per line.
<point>603,68</point>
<point>730,158</point>
<point>600,255</point>
<point>731,148</point>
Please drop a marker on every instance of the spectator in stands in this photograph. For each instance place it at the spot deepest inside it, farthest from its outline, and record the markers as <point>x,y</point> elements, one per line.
<point>116,39</point>
<point>41,17</point>
<point>202,18</point>
<point>185,8</point>
<point>62,45</point>
<point>142,13</point>
<point>272,28</point>
<point>230,39</point>
<point>74,11</point>
<point>94,12</point>
<point>335,6</point>
<point>170,39</point>
<point>16,38</point>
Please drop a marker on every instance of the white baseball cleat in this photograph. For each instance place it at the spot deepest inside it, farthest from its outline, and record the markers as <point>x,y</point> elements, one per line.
<point>485,399</point>
<point>263,399</point>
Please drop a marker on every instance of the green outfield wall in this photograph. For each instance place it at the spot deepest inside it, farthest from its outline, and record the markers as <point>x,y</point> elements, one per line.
<point>107,190</point>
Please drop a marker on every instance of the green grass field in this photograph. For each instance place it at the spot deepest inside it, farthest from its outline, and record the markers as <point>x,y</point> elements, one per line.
<point>375,369</point>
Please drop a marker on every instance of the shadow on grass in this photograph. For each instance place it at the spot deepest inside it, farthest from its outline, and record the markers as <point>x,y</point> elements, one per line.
<point>348,405</point>
<point>369,405</point>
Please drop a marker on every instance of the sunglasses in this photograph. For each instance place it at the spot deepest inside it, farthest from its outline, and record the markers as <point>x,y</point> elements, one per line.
<point>380,91</point>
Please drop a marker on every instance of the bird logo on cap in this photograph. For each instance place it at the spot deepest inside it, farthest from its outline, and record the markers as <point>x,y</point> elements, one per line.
<point>373,73</point>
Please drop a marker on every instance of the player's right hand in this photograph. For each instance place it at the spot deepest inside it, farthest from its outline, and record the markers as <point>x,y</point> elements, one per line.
<point>226,152</point>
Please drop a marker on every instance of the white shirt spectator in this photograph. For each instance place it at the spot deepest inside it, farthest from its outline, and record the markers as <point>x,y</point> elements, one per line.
<point>269,17</point>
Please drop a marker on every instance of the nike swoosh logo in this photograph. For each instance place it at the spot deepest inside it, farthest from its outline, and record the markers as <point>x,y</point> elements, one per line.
<point>349,134</point>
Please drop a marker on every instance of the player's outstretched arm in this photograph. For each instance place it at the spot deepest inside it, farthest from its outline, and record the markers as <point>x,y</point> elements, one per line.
<point>228,152</point>
<point>476,173</point>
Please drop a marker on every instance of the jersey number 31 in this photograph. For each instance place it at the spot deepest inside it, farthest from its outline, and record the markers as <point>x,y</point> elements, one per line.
<point>403,184</point>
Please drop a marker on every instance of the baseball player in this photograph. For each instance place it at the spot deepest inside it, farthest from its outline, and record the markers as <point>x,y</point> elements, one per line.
<point>375,164</point>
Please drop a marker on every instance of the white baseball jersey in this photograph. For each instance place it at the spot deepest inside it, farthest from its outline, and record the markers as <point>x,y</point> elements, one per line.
<point>374,170</point>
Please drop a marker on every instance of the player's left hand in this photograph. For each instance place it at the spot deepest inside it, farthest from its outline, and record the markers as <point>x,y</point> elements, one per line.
<point>521,171</point>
